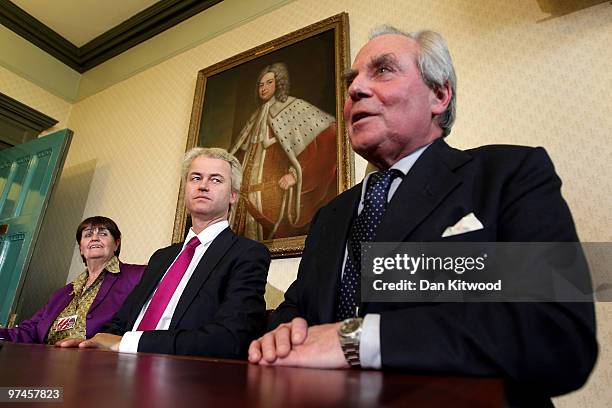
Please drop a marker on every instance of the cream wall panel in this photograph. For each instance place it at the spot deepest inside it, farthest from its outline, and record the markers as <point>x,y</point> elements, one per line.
<point>523,79</point>
<point>136,131</point>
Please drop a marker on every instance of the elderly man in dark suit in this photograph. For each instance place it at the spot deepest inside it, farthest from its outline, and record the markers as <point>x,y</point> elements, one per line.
<point>204,296</point>
<point>400,106</point>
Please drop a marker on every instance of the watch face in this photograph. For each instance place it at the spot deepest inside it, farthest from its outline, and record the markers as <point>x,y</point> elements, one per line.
<point>349,326</point>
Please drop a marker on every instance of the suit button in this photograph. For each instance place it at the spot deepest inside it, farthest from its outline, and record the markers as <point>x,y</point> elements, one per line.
<point>89,316</point>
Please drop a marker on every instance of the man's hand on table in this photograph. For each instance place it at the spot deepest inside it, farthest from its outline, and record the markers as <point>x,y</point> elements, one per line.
<point>296,344</point>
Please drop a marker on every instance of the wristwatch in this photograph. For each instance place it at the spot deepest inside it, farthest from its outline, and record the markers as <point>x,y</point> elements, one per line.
<point>349,334</point>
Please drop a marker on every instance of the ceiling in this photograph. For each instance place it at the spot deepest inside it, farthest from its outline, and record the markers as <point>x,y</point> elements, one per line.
<point>85,33</point>
<point>80,21</point>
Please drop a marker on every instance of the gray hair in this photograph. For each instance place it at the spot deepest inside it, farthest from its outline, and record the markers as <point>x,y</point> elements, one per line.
<point>215,153</point>
<point>435,65</point>
<point>281,80</point>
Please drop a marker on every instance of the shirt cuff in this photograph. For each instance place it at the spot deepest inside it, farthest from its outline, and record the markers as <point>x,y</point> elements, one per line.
<point>369,345</point>
<point>129,342</point>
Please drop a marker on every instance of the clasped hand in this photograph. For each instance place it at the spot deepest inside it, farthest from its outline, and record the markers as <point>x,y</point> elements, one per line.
<point>296,344</point>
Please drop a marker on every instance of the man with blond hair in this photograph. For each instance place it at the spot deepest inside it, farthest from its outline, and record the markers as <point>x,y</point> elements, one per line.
<point>204,296</point>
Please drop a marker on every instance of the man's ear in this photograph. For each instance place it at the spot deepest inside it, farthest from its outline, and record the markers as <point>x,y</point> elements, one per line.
<point>441,97</point>
<point>233,197</point>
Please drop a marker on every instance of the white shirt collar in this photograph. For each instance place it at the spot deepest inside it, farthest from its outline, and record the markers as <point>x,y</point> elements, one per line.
<point>404,165</point>
<point>208,234</point>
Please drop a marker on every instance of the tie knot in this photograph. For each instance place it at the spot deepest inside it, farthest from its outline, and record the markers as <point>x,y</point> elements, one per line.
<point>193,242</point>
<point>383,179</point>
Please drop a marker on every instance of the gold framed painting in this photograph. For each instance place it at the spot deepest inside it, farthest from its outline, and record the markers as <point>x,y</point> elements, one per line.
<point>278,109</point>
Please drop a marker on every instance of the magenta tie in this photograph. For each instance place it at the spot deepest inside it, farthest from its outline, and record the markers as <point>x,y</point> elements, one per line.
<point>167,286</point>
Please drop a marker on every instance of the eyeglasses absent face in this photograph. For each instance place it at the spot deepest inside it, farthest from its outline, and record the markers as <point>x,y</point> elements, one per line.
<point>208,190</point>
<point>267,86</point>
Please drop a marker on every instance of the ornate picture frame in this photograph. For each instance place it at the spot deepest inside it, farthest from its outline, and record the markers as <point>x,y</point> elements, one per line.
<point>278,108</point>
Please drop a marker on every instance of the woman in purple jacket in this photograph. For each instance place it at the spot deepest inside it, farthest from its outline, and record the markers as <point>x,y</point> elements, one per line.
<point>79,309</point>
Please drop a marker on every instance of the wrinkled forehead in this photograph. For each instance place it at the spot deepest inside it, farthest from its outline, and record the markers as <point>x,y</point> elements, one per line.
<point>402,47</point>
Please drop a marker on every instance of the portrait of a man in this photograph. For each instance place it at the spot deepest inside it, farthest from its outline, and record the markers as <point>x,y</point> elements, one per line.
<point>287,149</point>
<point>277,108</point>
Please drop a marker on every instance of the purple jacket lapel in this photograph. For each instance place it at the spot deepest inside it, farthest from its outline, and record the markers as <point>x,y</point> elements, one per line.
<point>105,287</point>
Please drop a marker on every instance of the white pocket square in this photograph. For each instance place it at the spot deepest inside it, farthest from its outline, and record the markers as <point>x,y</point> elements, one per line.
<point>468,223</point>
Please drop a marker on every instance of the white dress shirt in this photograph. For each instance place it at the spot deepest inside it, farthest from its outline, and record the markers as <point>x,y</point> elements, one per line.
<point>369,346</point>
<point>130,340</point>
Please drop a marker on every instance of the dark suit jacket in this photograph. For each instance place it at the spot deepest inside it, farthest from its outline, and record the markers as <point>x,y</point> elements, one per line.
<point>113,291</point>
<point>515,192</point>
<point>221,309</point>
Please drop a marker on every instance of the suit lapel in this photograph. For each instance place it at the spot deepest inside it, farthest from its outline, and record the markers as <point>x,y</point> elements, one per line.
<point>215,252</point>
<point>331,252</point>
<point>425,186</point>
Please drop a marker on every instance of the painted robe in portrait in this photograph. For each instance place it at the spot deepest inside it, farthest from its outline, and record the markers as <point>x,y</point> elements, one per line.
<point>291,137</point>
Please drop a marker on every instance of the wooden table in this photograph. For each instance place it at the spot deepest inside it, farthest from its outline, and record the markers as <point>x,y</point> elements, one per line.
<point>94,378</point>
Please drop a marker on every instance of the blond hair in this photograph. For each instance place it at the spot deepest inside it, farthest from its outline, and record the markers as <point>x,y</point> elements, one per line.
<point>215,153</point>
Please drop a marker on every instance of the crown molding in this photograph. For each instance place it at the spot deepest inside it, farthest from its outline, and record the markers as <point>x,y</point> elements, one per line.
<point>23,115</point>
<point>26,26</point>
<point>137,29</point>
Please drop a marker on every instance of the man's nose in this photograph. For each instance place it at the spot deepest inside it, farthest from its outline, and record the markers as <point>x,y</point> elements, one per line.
<point>359,88</point>
<point>203,185</point>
